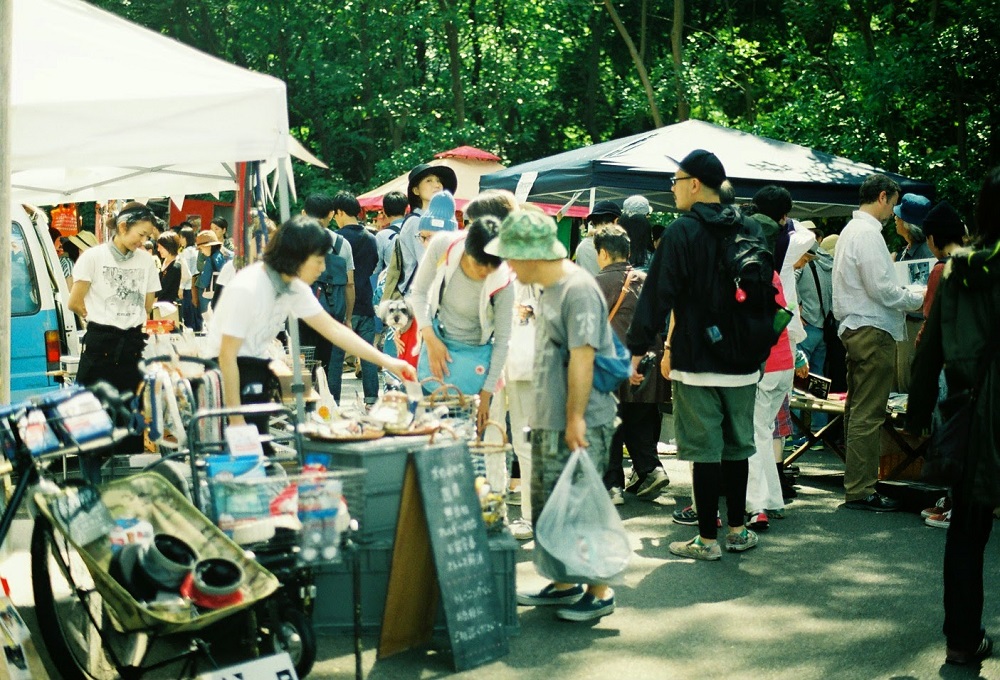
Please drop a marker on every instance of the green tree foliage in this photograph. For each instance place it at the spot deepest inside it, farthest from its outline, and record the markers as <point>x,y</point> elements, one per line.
<point>376,86</point>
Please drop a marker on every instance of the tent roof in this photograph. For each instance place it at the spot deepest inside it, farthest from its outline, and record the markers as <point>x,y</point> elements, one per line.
<point>469,152</point>
<point>821,184</point>
<point>104,108</point>
<point>469,164</point>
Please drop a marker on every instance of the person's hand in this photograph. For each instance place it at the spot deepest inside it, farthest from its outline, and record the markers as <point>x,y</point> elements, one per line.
<point>438,357</point>
<point>636,377</point>
<point>483,413</point>
<point>237,419</point>
<point>576,433</point>
<point>802,371</point>
<point>401,369</point>
<point>665,363</point>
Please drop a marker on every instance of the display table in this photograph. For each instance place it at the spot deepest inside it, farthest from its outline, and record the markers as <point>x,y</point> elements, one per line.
<point>834,408</point>
<point>911,449</point>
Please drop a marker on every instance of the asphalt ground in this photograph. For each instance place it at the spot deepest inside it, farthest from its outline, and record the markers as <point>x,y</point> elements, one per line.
<point>829,593</point>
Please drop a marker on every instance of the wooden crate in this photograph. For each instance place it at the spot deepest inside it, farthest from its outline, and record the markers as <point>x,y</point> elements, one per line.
<point>892,455</point>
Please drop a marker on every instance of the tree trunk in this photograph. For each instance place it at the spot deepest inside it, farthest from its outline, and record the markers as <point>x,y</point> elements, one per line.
<point>454,62</point>
<point>862,16</point>
<point>677,48</point>
<point>639,66</point>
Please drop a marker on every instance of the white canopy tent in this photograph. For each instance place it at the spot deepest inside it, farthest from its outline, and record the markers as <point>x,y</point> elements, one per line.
<point>100,108</point>
<point>103,108</point>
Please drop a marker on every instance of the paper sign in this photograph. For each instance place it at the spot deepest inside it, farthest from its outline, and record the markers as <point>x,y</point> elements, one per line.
<point>524,184</point>
<point>278,667</point>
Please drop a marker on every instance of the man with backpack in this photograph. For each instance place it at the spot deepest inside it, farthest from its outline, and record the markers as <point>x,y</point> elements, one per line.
<point>638,406</point>
<point>394,206</point>
<point>711,278</point>
<point>365,254</point>
<point>334,288</point>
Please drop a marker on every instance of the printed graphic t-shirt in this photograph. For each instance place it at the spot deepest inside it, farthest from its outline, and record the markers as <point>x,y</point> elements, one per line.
<point>118,286</point>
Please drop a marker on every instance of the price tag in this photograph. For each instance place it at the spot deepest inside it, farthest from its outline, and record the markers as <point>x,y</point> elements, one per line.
<point>278,667</point>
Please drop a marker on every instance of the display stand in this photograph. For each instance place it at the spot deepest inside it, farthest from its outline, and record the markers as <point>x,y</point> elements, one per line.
<point>442,549</point>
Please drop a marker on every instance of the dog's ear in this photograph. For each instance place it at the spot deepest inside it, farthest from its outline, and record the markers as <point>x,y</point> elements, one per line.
<point>382,308</point>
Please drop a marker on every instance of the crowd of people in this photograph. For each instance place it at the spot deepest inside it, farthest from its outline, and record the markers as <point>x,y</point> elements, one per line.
<point>497,306</point>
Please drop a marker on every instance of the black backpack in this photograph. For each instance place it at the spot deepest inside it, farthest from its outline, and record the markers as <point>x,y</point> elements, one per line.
<point>742,318</point>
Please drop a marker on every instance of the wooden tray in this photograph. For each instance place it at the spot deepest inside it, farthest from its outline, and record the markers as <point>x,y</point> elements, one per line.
<point>368,436</point>
<point>419,432</point>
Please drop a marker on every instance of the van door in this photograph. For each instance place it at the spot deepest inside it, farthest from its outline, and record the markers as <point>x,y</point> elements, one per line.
<point>42,328</point>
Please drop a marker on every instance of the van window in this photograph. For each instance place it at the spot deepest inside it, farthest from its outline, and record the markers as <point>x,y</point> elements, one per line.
<point>24,295</point>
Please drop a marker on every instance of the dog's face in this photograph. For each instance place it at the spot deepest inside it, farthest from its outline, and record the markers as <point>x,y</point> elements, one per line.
<point>396,314</point>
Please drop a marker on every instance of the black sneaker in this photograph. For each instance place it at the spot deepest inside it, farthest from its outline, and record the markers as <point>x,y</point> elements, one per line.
<point>548,596</point>
<point>873,503</point>
<point>960,658</point>
<point>588,608</point>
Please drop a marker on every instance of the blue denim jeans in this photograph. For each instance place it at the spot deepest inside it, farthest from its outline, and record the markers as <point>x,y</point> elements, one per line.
<point>191,315</point>
<point>364,326</point>
<point>815,348</point>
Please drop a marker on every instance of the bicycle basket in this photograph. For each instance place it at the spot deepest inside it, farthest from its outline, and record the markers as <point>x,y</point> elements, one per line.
<point>151,498</point>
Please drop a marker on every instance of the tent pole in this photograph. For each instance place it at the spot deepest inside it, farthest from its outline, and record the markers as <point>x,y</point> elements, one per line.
<point>6,63</point>
<point>298,388</point>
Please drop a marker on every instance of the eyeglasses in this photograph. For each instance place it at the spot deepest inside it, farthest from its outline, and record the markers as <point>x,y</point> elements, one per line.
<point>675,179</point>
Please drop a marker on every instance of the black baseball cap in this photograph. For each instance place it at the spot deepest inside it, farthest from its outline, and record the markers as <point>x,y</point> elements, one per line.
<point>704,165</point>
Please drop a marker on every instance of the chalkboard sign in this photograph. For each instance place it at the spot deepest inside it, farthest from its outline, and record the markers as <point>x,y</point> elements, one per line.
<point>453,525</point>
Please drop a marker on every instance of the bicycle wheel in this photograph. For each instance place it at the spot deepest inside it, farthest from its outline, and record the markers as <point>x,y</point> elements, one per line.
<point>293,633</point>
<point>71,614</point>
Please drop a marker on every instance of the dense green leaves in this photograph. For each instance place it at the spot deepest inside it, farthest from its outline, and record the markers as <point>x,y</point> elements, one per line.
<point>376,86</point>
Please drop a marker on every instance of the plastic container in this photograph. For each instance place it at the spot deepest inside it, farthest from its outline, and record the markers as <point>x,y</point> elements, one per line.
<point>384,461</point>
<point>334,611</point>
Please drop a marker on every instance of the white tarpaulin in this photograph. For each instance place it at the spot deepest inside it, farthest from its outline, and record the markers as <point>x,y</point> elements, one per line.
<point>104,108</point>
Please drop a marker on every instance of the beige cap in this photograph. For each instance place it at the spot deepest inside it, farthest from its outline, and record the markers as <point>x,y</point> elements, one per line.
<point>829,244</point>
<point>207,238</point>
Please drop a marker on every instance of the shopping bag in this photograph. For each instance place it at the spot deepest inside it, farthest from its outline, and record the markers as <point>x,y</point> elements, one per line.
<point>581,536</point>
<point>468,366</point>
<point>326,405</point>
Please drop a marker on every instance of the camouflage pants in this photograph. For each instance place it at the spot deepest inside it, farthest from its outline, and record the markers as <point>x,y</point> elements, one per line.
<point>549,455</point>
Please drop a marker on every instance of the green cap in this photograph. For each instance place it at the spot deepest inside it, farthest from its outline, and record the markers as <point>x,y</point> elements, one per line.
<point>527,235</point>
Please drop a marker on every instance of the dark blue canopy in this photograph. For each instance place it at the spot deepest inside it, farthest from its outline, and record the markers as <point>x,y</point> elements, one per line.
<point>822,185</point>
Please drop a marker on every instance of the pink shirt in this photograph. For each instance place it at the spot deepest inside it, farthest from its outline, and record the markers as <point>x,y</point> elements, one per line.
<point>781,357</point>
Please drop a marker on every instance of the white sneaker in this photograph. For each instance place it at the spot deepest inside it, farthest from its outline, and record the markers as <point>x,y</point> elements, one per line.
<point>616,496</point>
<point>521,530</point>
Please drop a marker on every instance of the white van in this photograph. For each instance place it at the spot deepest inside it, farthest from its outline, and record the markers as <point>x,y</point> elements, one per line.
<point>42,327</point>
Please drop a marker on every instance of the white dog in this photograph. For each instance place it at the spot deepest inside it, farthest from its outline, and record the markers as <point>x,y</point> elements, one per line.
<point>396,314</point>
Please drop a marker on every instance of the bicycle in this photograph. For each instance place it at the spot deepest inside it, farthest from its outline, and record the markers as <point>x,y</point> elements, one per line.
<point>92,627</point>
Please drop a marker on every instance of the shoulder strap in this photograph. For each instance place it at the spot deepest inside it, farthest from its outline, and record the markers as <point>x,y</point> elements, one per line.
<point>819,290</point>
<point>630,278</point>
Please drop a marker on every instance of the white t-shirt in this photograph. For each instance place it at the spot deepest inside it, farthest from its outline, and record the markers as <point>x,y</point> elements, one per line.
<point>251,308</point>
<point>227,274</point>
<point>118,287</point>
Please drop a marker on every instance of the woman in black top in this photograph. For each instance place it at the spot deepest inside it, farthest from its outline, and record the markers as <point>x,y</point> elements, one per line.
<point>168,245</point>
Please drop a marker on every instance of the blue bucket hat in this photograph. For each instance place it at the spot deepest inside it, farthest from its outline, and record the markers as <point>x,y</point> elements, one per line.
<point>440,215</point>
<point>913,209</point>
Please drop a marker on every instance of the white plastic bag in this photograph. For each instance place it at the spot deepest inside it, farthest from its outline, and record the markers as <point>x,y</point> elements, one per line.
<point>581,536</point>
<point>325,396</point>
